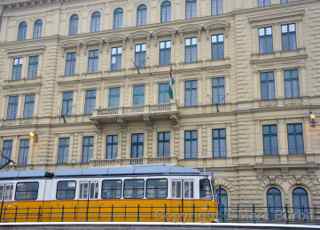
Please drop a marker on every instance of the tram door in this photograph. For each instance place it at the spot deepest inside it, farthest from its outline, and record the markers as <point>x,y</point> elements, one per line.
<point>182,187</point>
<point>88,190</point>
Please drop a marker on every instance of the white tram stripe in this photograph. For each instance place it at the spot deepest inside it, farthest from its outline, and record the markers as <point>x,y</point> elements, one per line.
<point>284,226</point>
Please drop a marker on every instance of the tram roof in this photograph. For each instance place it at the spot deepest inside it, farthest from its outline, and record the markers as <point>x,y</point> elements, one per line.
<point>114,171</point>
<point>129,170</point>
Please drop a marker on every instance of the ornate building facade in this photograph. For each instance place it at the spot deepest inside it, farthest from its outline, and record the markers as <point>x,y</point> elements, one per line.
<point>228,86</point>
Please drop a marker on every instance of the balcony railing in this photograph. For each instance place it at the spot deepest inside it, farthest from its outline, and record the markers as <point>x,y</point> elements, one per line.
<point>146,112</point>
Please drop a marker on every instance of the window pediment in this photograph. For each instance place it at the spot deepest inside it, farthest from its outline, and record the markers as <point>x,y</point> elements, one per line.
<point>275,18</point>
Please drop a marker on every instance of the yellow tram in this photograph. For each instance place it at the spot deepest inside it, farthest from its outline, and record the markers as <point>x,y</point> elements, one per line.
<point>145,193</point>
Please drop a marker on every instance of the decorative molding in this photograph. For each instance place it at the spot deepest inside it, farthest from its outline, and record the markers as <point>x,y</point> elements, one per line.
<point>24,51</point>
<point>275,18</point>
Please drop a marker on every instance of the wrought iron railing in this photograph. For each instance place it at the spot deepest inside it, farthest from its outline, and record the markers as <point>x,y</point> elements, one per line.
<point>258,214</point>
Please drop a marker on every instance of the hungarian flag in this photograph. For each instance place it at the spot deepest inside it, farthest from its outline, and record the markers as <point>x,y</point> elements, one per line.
<point>171,84</point>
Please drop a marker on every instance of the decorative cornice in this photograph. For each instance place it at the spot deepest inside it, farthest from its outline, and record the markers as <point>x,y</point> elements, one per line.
<point>25,50</point>
<point>273,18</point>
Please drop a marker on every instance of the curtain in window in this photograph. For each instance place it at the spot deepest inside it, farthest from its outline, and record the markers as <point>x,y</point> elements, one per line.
<point>73,24</point>
<point>300,201</point>
<point>22,31</point>
<point>95,22</point>
<point>165,12</point>
<point>117,18</point>
<point>274,204</point>
<point>142,15</point>
<point>37,29</point>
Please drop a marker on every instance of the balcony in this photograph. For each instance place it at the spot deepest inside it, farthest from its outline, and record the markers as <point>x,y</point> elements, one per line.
<point>147,113</point>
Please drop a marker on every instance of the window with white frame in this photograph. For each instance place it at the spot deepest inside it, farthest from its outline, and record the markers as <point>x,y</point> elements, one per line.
<point>88,190</point>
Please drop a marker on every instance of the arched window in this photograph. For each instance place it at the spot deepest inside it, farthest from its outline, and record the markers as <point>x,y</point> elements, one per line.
<point>142,15</point>
<point>274,203</point>
<point>165,12</point>
<point>300,202</point>
<point>95,21</point>
<point>73,24</point>
<point>37,29</point>
<point>222,197</point>
<point>117,18</point>
<point>22,31</point>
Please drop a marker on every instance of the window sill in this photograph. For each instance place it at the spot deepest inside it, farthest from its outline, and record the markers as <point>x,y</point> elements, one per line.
<point>277,56</point>
<point>21,83</point>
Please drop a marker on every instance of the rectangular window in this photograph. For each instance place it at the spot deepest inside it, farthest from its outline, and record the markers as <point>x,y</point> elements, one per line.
<point>164,53</point>
<point>137,145</point>
<point>163,144</point>
<point>6,151</point>
<point>291,83</point>
<point>16,68</point>
<point>216,7</point>
<point>164,97</point>
<point>88,190</point>
<point>70,66</point>
<point>217,47</point>
<point>190,93</point>
<point>133,188</point>
<point>63,150</point>
<point>191,50</point>
<point>23,152</point>
<point>176,189</point>
<point>67,101</point>
<point>289,40</point>
<point>90,101</point>
<point>93,61</point>
<point>205,189</point>
<point>12,109</point>
<point>218,91</point>
<point>295,138</point>
<point>190,144</point>
<point>27,191</point>
<point>219,145</point>
<point>66,190</point>
<point>111,189</point>
<point>138,95</point>
<point>191,9</point>
<point>270,139</point>
<point>284,2</point>
<point>87,149</point>
<point>28,109</point>
<point>140,55</point>
<point>114,97</point>
<point>188,189</point>
<point>6,191</point>
<point>116,57</point>
<point>33,67</point>
<point>264,3</point>
<point>267,85</point>
<point>112,147</point>
<point>265,40</point>
<point>157,188</point>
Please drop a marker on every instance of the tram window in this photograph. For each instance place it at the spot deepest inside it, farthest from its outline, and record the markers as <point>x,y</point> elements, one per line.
<point>27,191</point>
<point>133,188</point>
<point>205,189</point>
<point>111,189</point>
<point>66,190</point>
<point>176,189</point>
<point>6,191</point>
<point>188,189</point>
<point>88,187</point>
<point>157,188</point>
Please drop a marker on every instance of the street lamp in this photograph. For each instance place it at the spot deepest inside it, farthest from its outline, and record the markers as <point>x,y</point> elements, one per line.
<point>312,119</point>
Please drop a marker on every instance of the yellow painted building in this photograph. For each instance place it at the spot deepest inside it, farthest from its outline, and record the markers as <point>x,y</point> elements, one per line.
<point>90,80</point>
